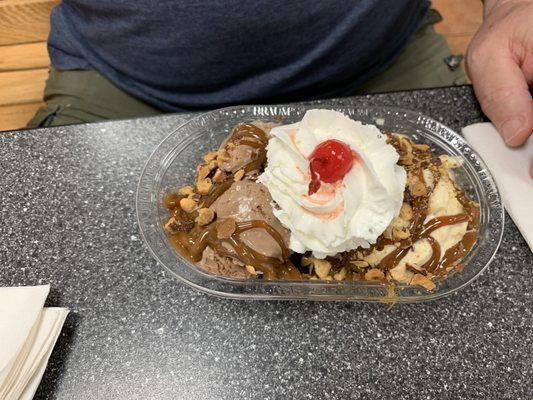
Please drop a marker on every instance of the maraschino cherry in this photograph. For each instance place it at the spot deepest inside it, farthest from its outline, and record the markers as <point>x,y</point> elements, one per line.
<point>329,162</point>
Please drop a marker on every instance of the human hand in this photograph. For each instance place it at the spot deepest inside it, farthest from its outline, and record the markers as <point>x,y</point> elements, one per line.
<point>499,62</point>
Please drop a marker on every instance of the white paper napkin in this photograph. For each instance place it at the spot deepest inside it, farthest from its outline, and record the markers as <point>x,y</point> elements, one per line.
<point>20,308</point>
<point>510,168</point>
<point>28,333</point>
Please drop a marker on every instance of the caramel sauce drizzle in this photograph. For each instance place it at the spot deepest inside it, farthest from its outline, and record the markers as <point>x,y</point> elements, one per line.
<point>431,264</point>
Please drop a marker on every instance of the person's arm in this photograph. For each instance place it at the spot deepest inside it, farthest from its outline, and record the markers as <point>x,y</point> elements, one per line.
<point>500,64</point>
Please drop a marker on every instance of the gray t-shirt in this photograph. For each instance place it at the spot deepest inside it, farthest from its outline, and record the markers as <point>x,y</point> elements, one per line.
<point>200,54</point>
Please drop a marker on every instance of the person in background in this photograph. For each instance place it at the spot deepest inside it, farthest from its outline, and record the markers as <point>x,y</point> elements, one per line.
<point>126,59</point>
<point>500,64</point>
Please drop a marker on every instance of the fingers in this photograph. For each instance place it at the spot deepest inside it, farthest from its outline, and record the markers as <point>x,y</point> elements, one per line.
<point>502,90</point>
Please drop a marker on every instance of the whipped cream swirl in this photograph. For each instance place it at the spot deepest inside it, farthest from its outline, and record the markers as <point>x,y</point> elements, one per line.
<point>343,215</point>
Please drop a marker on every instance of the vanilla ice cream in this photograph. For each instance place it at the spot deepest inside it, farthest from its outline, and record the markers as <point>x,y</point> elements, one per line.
<point>442,202</point>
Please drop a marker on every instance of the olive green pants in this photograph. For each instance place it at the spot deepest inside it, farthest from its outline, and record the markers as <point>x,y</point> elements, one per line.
<point>87,96</point>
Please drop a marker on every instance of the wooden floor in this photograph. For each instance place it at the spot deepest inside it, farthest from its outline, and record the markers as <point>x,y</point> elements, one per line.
<point>24,26</point>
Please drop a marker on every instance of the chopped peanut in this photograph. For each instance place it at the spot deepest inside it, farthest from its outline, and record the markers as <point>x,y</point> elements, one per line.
<point>423,281</point>
<point>204,186</point>
<point>186,191</point>
<point>374,274</point>
<point>416,187</point>
<point>400,234</point>
<point>359,263</point>
<point>188,205</point>
<point>226,228</point>
<point>238,175</point>
<point>210,156</point>
<point>406,157</point>
<point>420,146</point>
<point>223,155</point>
<point>205,216</point>
<point>450,162</point>
<point>203,172</point>
<point>339,276</point>
<point>212,165</point>
<point>406,212</point>
<point>322,268</point>
<point>405,142</point>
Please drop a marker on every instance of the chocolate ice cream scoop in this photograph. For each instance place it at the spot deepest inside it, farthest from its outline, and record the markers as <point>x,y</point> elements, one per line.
<point>248,200</point>
<point>242,154</point>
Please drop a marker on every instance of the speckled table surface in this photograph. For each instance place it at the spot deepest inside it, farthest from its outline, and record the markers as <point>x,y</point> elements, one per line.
<point>68,219</point>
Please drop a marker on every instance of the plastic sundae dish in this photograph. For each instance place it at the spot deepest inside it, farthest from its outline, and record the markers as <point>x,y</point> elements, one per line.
<point>323,205</point>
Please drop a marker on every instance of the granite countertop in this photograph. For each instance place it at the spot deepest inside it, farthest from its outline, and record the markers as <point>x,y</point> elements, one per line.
<point>68,218</point>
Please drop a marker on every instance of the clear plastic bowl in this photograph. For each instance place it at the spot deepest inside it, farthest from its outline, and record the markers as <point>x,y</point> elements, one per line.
<point>173,164</point>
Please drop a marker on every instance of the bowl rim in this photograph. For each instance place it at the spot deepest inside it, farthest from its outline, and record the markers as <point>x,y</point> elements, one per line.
<point>426,296</point>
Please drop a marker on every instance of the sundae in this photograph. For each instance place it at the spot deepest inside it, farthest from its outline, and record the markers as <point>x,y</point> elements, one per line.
<point>327,198</point>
